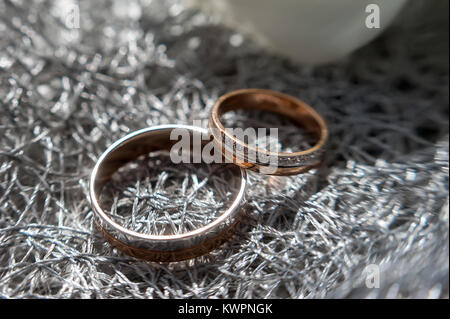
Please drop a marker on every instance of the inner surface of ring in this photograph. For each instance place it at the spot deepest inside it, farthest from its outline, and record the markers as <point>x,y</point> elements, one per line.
<point>299,114</point>
<point>140,188</point>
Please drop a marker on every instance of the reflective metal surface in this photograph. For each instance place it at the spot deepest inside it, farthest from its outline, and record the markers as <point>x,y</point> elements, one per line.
<point>276,102</point>
<point>158,247</point>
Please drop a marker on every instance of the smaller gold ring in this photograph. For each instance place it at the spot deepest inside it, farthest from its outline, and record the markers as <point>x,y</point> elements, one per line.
<point>238,151</point>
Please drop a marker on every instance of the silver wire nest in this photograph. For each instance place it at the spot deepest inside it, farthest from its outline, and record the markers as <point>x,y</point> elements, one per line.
<point>379,200</point>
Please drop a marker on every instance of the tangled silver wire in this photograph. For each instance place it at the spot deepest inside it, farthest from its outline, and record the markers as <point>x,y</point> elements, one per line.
<point>380,199</point>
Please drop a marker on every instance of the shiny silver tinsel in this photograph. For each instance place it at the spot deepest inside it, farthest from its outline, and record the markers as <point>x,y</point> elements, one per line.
<point>380,200</point>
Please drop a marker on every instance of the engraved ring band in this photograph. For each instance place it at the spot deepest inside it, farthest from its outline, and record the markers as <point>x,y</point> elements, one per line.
<point>161,248</point>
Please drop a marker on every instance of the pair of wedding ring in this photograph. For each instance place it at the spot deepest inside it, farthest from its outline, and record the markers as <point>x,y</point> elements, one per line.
<point>166,248</point>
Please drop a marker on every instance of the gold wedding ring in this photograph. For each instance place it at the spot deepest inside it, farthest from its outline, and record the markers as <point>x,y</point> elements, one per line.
<point>162,248</point>
<point>275,163</point>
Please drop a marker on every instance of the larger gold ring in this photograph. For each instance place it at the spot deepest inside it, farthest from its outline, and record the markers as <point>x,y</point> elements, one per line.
<point>161,248</point>
<point>238,151</point>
